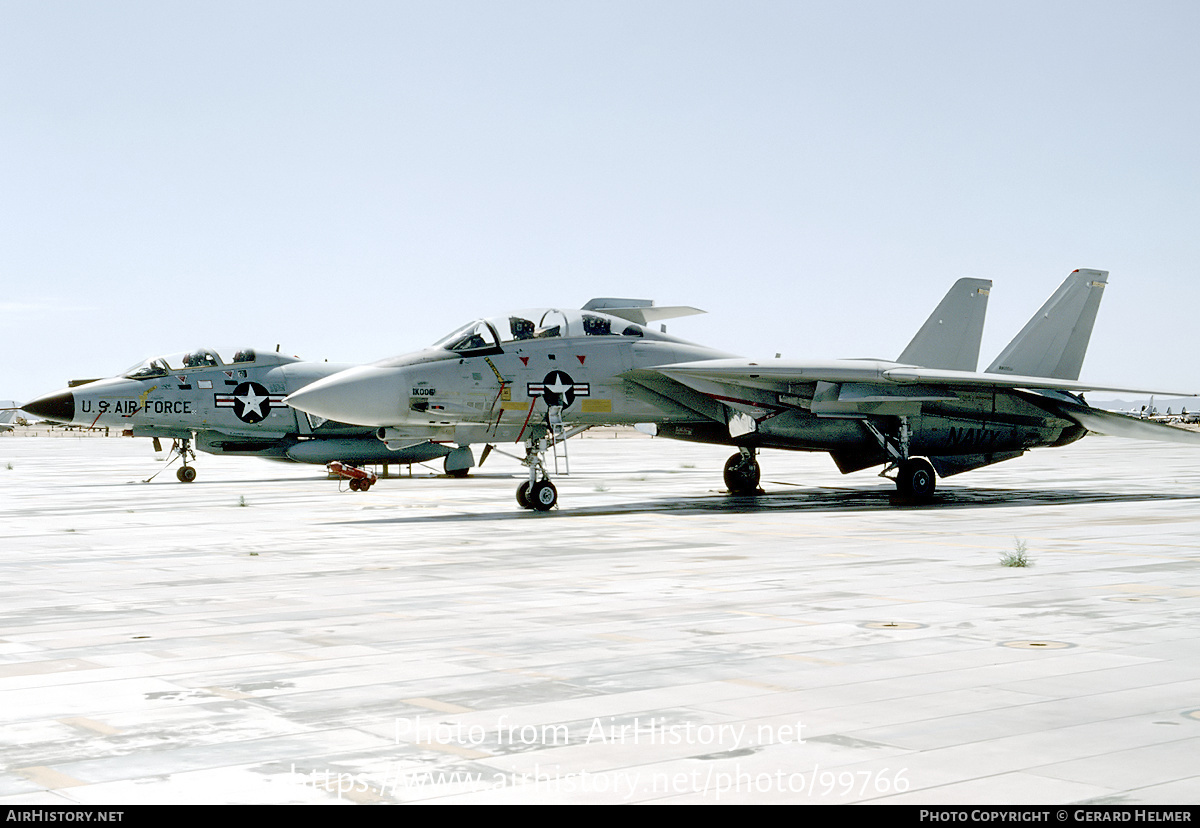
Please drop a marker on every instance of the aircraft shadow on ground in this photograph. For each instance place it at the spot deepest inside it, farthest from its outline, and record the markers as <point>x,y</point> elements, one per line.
<point>214,477</point>
<point>813,500</point>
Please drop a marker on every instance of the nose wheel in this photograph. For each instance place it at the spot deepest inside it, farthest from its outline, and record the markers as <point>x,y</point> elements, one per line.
<point>536,493</point>
<point>185,473</point>
<point>540,496</point>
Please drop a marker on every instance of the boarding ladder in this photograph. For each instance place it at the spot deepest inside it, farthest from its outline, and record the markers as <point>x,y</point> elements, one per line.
<point>558,439</point>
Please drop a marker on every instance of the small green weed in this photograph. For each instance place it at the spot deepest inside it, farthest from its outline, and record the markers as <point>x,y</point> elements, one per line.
<point>1019,556</point>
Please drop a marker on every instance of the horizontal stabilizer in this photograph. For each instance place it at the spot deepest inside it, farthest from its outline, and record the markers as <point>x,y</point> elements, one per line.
<point>950,336</point>
<point>1119,425</point>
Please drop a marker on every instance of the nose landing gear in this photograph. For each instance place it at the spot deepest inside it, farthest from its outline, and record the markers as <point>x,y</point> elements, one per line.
<point>185,473</point>
<point>536,493</point>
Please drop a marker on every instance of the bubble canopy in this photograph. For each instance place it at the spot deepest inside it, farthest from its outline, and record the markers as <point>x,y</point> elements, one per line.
<point>201,358</point>
<point>484,336</point>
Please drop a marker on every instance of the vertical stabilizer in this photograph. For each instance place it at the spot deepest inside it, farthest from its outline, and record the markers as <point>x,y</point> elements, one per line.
<point>950,336</point>
<point>1054,342</point>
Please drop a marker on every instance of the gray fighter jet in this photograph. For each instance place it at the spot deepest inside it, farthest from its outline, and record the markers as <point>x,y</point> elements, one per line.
<point>229,402</point>
<point>538,377</point>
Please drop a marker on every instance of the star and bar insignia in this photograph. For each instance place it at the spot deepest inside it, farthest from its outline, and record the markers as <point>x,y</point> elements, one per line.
<point>559,389</point>
<point>251,402</point>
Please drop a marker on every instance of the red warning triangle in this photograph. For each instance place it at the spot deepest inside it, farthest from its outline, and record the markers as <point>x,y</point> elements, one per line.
<point>581,358</point>
<point>524,360</point>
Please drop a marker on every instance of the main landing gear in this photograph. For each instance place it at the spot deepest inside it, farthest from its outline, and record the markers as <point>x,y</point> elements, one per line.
<point>915,479</point>
<point>742,473</point>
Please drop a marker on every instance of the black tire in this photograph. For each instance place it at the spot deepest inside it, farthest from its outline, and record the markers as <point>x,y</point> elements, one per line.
<point>355,485</point>
<point>543,495</point>
<point>523,495</point>
<point>916,479</point>
<point>185,474</point>
<point>459,472</point>
<point>742,475</point>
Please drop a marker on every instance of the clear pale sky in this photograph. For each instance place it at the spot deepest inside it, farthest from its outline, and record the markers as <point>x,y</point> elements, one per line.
<point>355,179</point>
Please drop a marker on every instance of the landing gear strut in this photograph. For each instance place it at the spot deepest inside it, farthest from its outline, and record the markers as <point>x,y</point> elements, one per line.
<point>742,473</point>
<point>537,492</point>
<point>915,478</point>
<point>185,473</point>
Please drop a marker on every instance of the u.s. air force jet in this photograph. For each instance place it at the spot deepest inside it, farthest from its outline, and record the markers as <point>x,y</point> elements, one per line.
<point>538,377</point>
<point>229,402</point>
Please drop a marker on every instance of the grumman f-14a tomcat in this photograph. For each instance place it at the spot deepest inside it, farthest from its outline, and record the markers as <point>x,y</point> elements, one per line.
<point>229,402</point>
<point>538,377</point>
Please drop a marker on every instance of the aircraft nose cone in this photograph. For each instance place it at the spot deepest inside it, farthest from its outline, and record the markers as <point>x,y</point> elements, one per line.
<point>58,407</point>
<point>366,395</point>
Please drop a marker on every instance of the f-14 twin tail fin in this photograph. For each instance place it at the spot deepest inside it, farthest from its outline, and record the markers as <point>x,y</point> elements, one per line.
<point>1054,342</point>
<point>950,336</point>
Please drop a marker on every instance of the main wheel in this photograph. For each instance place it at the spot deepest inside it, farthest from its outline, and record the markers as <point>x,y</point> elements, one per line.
<point>355,485</point>
<point>742,475</point>
<point>916,479</point>
<point>543,495</point>
<point>185,474</point>
<point>523,495</point>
